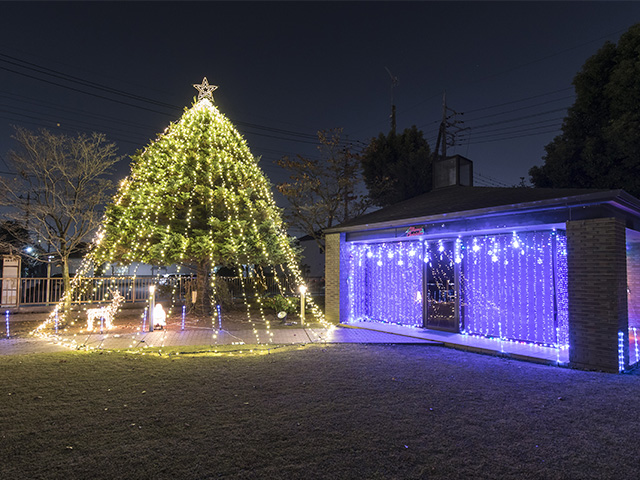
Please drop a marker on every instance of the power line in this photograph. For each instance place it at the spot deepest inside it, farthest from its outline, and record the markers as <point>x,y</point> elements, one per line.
<point>59,119</point>
<point>515,68</point>
<point>51,105</point>
<point>73,79</point>
<point>6,165</point>
<point>514,110</point>
<point>487,179</point>
<point>82,91</point>
<point>472,127</point>
<point>239,123</point>
<point>65,128</point>
<point>555,119</point>
<point>514,137</point>
<point>526,130</point>
<point>519,109</point>
<point>87,83</point>
<point>139,127</point>
<point>519,101</point>
<point>539,114</point>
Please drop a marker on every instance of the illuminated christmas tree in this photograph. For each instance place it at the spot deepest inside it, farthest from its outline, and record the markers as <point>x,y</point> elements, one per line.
<point>196,196</point>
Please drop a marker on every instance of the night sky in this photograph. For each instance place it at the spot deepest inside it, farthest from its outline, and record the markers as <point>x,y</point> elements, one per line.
<point>286,70</point>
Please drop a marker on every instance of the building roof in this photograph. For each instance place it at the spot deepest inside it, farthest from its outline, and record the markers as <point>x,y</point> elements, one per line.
<point>459,201</point>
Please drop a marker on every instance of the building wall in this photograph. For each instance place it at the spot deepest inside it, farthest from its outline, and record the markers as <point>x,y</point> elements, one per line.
<point>633,295</point>
<point>633,283</point>
<point>597,287</point>
<point>334,274</point>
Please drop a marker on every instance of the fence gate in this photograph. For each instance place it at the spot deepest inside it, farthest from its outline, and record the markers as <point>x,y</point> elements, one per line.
<point>10,280</point>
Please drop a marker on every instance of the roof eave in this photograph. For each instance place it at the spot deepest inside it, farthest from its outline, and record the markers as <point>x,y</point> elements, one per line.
<point>617,197</point>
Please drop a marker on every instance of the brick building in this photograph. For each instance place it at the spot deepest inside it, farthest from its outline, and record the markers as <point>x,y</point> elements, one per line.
<point>553,269</point>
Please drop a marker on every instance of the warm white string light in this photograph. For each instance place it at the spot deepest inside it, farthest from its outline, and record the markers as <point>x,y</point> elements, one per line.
<point>196,190</point>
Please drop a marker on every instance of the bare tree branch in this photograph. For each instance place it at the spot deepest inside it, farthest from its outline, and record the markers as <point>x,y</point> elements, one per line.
<point>323,192</point>
<point>59,188</point>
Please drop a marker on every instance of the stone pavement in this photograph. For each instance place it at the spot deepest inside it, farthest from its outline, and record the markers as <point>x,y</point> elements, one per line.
<point>363,332</point>
<point>205,336</point>
<point>492,346</point>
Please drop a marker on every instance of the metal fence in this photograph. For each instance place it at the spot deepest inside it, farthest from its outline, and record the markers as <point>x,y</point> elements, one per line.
<point>49,291</point>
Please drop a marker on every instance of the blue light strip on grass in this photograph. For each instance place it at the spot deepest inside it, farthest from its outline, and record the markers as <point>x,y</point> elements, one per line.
<point>621,351</point>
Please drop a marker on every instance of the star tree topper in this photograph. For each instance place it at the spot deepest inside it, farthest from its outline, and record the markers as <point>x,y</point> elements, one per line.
<point>205,90</point>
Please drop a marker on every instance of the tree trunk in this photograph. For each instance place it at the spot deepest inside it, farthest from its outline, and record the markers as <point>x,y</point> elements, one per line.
<point>203,287</point>
<point>66,281</point>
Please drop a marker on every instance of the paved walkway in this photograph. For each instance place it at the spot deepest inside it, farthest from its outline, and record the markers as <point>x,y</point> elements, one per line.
<point>205,336</point>
<point>362,332</point>
<point>505,348</point>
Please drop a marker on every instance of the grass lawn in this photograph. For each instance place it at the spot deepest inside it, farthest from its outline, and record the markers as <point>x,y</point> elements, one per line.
<point>336,411</point>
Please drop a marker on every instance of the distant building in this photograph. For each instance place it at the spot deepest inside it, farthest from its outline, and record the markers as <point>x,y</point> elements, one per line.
<point>117,270</point>
<point>312,262</point>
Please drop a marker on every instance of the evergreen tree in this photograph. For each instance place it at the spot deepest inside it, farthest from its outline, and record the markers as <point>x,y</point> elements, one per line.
<point>600,142</point>
<point>397,167</point>
<point>196,196</point>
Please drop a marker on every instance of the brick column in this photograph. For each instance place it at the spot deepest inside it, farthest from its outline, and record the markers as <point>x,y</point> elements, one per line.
<point>596,258</point>
<point>334,273</point>
<point>633,282</point>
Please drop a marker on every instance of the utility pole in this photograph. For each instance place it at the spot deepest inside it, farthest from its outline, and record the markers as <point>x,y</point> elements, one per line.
<point>345,153</point>
<point>394,83</point>
<point>442,131</point>
<point>449,128</point>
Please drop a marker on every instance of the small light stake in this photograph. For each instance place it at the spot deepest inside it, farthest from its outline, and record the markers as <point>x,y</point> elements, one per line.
<point>621,363</point>
<point>184,312</point>
<point>303,291</point>
<point>144,319</point>
<point>6,316</point>
<point>152,305</point>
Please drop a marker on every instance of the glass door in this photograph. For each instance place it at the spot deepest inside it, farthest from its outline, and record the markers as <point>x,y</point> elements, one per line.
<point>441,311</point>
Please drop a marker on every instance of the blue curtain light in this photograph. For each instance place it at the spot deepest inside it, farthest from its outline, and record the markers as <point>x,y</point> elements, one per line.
<point>385,283</point>
<point>512,286</point>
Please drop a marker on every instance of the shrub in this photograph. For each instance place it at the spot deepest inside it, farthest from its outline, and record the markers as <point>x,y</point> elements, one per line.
<point>223,294</point>
<point>278,303</point>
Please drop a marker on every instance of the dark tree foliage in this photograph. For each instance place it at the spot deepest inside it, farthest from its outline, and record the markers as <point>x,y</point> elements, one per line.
<point>14,240</point>
<point>323,192</point>
<point>13,237</point>
<point>397,167</point>
<point>600,142</point>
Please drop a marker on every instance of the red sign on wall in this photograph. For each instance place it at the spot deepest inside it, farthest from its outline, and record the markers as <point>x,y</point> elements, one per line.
<point>414,231</point>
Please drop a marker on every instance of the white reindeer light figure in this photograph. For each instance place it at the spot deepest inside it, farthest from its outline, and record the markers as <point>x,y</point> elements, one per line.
<point>106,312</point>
